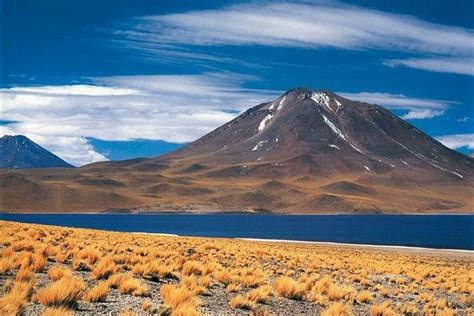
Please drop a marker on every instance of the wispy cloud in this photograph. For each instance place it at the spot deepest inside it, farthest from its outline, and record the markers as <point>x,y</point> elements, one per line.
<point>417,108</point>
<point>176,108</point>
<point>463,66</point>
<point>457,141</point>
<point>309,25</point>
<point>464,119</point>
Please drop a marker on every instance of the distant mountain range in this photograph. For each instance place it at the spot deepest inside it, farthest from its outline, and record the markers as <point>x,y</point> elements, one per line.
<point>19,152</point>
<point>305,152</point>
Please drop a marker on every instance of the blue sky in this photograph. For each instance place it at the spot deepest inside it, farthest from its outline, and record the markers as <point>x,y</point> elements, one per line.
<point>98,80</point>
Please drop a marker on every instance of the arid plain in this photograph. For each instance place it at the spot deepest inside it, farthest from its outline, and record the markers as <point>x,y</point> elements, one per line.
<point>59,271</point>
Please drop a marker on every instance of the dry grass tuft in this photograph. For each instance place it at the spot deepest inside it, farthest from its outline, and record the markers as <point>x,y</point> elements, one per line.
<point>39,261</point>
<point>64,292</point>
<point>337,309</point>
<point>192,267</point>
<point>105,268</point>
<point>233,287</point>
<point>24,274</point>
<point>133,286</point>
<point>98,293</point>
<point>57,272</point>
<point>115,280</point>
<point>289,288</point>
<point>383,309</point>
<point>242,302</point>
<point>260,294</point>
<point>178,297</point>
<point>147,306</point>
<point>223,276</point>
<point>16,298</point>
<point>364,297</point>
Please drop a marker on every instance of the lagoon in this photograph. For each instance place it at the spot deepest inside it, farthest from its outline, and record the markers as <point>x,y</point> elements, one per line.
<point>430,231</point>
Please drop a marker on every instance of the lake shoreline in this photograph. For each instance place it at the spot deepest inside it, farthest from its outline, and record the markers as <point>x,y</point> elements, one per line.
<point>432,232</point>
<point>204,213</point>
<point>324,243</point>
<point>286,241</point>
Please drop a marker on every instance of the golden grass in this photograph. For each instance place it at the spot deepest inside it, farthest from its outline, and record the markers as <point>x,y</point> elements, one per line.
<point>337,309</point>
<point>98,293</point>
<point>364,297</point>
<point>64,292</point>
<point>260,294</point>
<point>383,309</point>
<point>115,280</point>
<point>16,298</point>
<point>178,298</point>
<point>334,280</point>
<point>289,288</point>
<point>242,302</point>
<point>105,268</point>
<point>133,286</point>
<point>147,306</point>
<point>57,272</point>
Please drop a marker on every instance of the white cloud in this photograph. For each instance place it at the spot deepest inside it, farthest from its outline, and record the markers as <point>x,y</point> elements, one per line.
<point>309,25</point>
<point>421,114</point>
<point>464,119</point>
<point>457,141</point>
<point>74,149</point>
<point>78,89</point>
<point>463,66</point>
<point>417,108</point>
<point>176,108</point>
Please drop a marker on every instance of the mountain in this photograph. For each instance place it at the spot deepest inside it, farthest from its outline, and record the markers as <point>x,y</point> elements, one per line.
<point>19,152</point>
<point>305,152</point>
<point>320,133</point>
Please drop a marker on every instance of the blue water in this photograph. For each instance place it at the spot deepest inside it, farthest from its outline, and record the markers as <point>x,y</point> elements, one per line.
<point>437,231</point>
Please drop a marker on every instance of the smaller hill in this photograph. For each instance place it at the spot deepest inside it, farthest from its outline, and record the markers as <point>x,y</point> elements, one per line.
<point>19,152</point>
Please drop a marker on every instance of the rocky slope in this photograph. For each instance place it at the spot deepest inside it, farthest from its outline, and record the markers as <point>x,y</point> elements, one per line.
<point>19,152</point>
<point>305,152</point>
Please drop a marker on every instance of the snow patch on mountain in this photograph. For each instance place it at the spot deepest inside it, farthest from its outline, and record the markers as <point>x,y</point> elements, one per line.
<point>263,123</point>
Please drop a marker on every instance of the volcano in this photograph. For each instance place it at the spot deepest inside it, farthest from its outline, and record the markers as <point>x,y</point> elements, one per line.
<point>19,152</point>
<point>308,151</point>
<point>318,132</point>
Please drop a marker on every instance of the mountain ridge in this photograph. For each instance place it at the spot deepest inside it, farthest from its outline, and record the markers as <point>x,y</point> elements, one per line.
<point>19,152</point>
<point>308,151</point>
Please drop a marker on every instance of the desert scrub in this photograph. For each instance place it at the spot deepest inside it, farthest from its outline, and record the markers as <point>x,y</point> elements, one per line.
<point>178,297</point>
<point>98,293</point>
<point>289,288</point>
<point>64,292</point>
<point>105,268</point>
<point>242,302</point>
<point>337,309</point>
<point>25,273</point>
<point>383,309</point>
<point>133,286</point>
<point>57,272</point>
<point>16,297</point>
<point>192,267</point>
<point>260,294</point>
<point>364,297</point>
<point>223,276</point>
<point>233,287</point>
<point>115,280</point>
<point>326,276</point>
